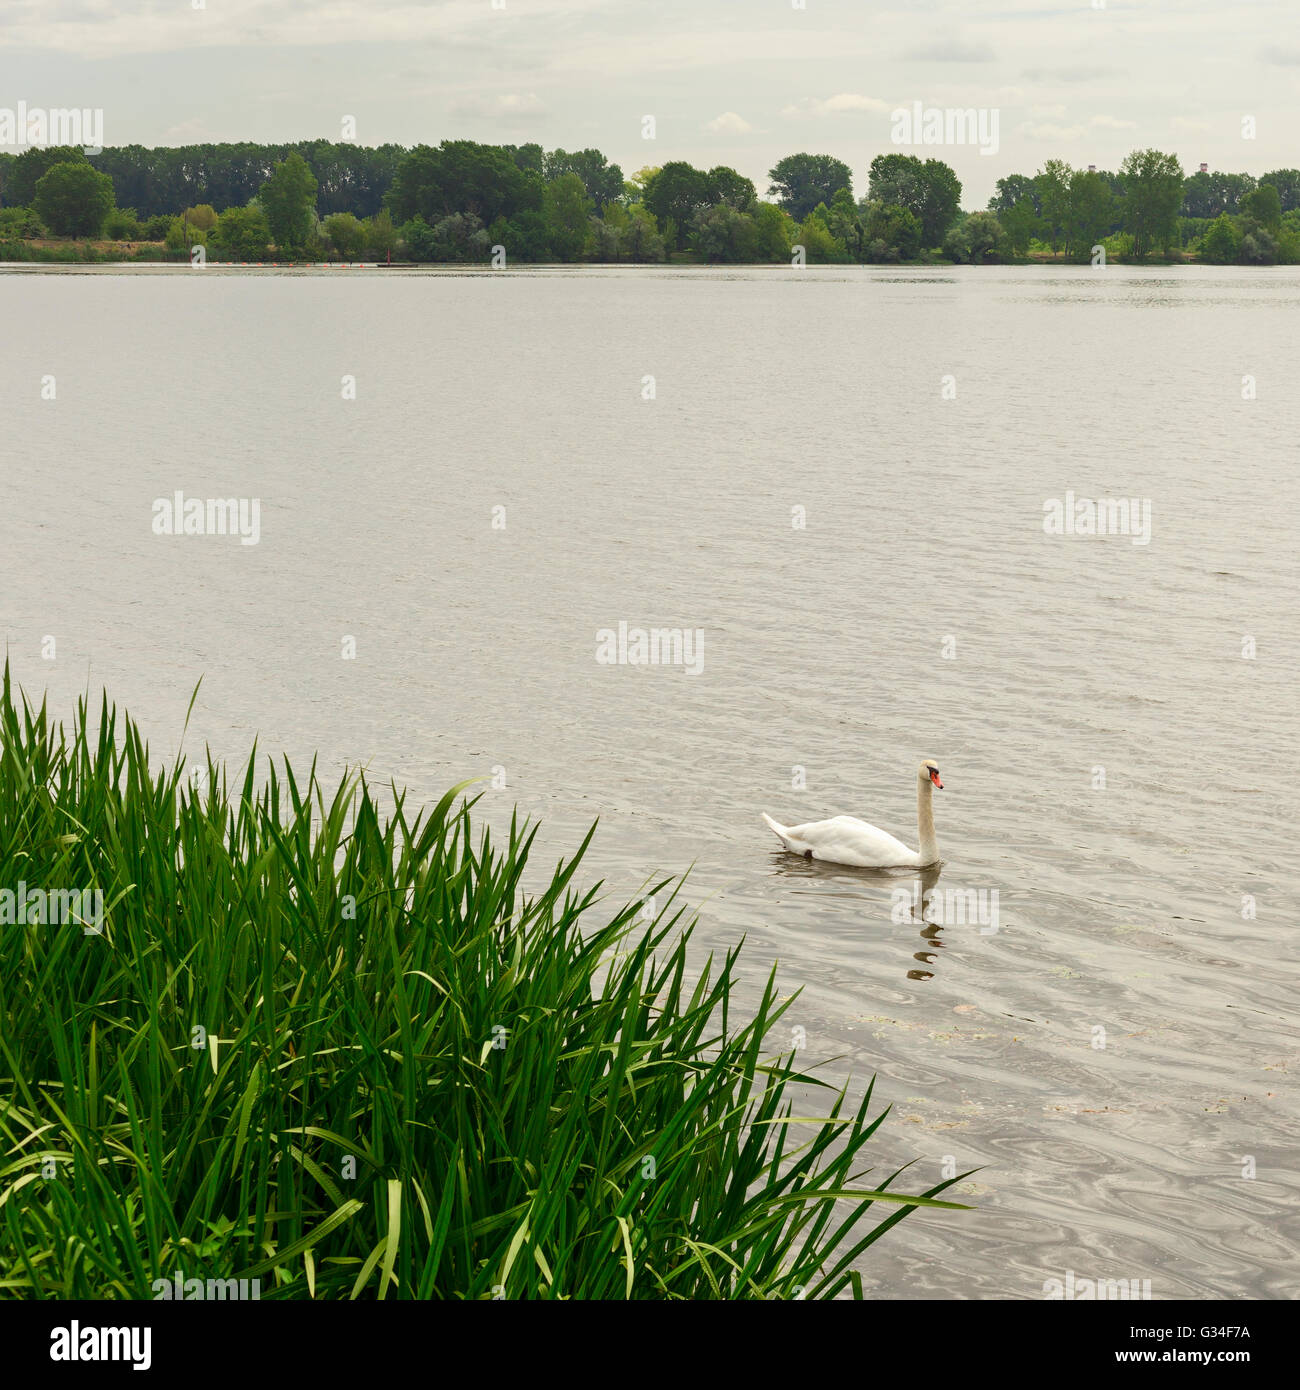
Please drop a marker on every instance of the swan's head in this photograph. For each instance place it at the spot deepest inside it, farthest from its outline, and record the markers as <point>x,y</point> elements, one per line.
<point>929,770</point>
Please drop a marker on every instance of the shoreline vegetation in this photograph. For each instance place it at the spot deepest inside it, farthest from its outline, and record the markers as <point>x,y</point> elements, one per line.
<point>330,1051</point>
<point>465,203</point>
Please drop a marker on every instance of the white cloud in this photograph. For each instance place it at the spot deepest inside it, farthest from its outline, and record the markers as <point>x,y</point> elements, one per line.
<point>1049,123</point>
<point>1076,74</point>
<point>525,103</point>
<point>850,101</point>
<point>844,103</point>
<point>101,29</point>
<point>729,123</point>
<point>951,51</point>
<point>578,73</point>
<point>191,132</point>
<point>1049,130</point>
<point>501,106</point>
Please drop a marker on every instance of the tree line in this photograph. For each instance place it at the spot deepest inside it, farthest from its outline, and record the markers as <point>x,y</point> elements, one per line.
<point>458,200</point>
<point>1150,206</point>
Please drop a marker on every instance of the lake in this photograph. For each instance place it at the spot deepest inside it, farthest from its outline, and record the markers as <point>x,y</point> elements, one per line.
<point>858,498</point>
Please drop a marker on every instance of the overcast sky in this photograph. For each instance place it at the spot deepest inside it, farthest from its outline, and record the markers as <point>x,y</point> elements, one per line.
<point>739,82</point>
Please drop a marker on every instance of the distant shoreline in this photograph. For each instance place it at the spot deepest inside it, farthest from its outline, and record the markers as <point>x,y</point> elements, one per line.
<point>576,267</point>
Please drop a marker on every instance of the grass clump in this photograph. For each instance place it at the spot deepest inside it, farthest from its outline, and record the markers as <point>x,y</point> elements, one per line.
<point>347,1055</point>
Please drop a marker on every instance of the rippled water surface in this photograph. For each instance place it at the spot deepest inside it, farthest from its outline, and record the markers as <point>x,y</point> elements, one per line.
<point>1118,1050</point>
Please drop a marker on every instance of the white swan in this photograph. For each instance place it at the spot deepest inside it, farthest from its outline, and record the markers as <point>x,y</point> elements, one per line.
<point>847,840</point>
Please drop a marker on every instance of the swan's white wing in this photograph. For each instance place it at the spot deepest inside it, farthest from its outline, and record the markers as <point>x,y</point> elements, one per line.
<point>847,840</point>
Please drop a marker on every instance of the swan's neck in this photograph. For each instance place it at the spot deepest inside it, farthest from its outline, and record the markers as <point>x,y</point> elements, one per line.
<point>925,822</point>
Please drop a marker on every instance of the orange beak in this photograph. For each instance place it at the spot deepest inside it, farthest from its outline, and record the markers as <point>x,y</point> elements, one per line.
<point>934,777</point>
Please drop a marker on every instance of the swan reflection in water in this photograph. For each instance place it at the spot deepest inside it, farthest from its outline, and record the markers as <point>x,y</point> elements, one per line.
<point>917,882</point>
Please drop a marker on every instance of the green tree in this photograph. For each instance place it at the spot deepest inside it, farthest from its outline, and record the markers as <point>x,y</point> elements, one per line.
<point>22,223</point>
<point>31,166</point>
<point>616,215</point>
<point>634,188</point>
<point>345,233</point>
<point>1153,194</point>
<point>567,209</point>
<point>930,190</point>
<point>1287,183</point>
<point>203,216</point>
<point>1221,242</point>
<point>642,238</point>
<point>727,186</point>
<point>773,232</point>
<point>1015,188</point>
<point>526,236</point>
<point>1258,246</point>
<point>191,228</point>
<point>462,176</point>
<point>676,193</point>
<point>941,200</point>
<point>1264,205</point>
<point>722,234</point>
<point>462,237</point>
<point>1021,223</point>
<point>182,237</point>
<point>800,181</point>
<point>956,244</point>
<point>122,225</point>
<point>605,237</point>
<point>845,222</point>
<point>417,236</point>
<point>891,233</point>
<point>976,240</point>
<point>602,181</point>
<point>288,201</point>
<point>242,234</point>
<point>1088,214</point>
<point>896,179</point>
<point>73,199</point>
<point>351,178</point>
<point>1053,185</point>
<point>820,247</point>
<point>1288,241</point>
<point>528,157</point>
<point>1210,193</point>
<point>381,235</point>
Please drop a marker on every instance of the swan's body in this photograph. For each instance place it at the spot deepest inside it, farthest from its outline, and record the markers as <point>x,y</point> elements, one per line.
<point>847,840</point>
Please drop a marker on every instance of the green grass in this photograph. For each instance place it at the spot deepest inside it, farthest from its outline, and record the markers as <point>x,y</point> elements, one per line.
<point>352,1121</point>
